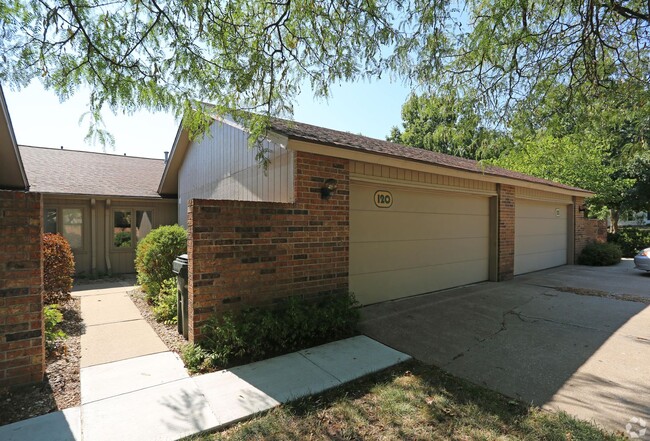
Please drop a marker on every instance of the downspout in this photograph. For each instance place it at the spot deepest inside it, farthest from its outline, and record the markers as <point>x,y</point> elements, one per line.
<point>107,235</point>
<point>93,237</point>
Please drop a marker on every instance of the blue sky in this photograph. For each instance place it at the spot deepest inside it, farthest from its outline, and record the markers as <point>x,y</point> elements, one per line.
<point>39,119</point>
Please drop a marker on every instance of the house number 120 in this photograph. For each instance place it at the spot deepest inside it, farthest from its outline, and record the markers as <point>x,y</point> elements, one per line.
<point>383,199</point>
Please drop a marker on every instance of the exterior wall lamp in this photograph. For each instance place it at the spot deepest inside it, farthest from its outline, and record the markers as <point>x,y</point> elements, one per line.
<point>328,188</point>
<point>583,209</point>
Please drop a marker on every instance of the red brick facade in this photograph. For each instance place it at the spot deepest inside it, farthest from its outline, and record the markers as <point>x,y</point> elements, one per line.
<point>257,253</point>
<point>22,353</point>
<point>586,230</point>
<point>506,234</point>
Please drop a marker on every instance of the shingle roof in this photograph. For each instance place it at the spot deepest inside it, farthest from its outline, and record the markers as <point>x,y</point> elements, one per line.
<point>76,172</point>
<point>335,138</point>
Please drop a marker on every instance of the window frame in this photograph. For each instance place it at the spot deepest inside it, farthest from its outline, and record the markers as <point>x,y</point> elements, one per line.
<point>59,222</point>
<point>134,239</point>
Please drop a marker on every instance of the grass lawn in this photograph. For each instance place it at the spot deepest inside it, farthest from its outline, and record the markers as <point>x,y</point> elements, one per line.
<point>414,402</point>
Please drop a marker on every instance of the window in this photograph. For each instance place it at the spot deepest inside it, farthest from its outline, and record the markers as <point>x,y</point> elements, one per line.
<point>49,221</point>
<point>66,221</point>
<point>127,235</point>
<point>143,223</point>
<point>122,229</point>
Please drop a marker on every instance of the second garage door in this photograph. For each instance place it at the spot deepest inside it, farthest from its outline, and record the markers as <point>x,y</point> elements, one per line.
<point>406,241</point>
<point>540,235</point>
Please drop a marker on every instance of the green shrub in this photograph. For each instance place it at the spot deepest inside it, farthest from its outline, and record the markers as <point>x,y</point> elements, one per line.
<point>58,268</point>
<point>196,359</point>
<point>51,318</point>
<point>631,240</point>
<point>166,306</point>
<point>600,254</point>
<point>259,333</point>
<point>155,254</point>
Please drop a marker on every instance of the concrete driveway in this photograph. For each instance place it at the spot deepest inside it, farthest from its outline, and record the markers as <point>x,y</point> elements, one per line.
<point>586,354</point>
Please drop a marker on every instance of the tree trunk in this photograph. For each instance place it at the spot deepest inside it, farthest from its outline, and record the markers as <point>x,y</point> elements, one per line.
<point>614,215</point>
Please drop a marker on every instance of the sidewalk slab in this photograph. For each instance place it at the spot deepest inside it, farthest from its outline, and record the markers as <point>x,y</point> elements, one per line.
<point>108,308</point>
<point>120,377</point>
<point>287,377</point>
<point>354,357</point>
<point>118,341</point>
<point>56,426</point>
<point>231,398</point>
<point>167,412</point>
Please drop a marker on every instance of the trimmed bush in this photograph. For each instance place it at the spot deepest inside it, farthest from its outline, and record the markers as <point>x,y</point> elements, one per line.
<point>166,306</point>
<point>631,240</point>
<point>155,254</point>
<point>259,333</point>
<point>58,268</point>
<point>600,254</point>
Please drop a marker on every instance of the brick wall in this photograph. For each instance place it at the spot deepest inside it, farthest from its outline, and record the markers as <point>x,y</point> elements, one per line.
<point>506,238</point>
<point>22,353</point>
<point>258,253</point>
<point>586,230</point>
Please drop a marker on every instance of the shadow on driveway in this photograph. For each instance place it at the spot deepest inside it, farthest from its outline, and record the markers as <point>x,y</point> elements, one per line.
<point>587,355</point>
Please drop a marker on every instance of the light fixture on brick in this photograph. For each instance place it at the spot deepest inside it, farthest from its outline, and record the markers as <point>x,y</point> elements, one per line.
<point>328,188</point>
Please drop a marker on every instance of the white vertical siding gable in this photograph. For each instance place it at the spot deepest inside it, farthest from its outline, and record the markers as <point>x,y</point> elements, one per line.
<point>221,165</point>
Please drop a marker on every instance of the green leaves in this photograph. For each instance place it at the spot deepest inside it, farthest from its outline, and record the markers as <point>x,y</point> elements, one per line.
<point>446,123</point>
<point>154,257</point>
<point>259,333</point>
<point>253,56</point>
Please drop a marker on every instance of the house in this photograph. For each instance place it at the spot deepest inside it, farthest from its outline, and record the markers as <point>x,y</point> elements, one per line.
<point>633,219</point>
<point>337,212</point>
<point>101,203</point>
<point>22,345</point>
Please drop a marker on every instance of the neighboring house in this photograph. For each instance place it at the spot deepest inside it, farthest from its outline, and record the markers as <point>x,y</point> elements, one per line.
<point>633,219</point>
<point>402,221</point>
<point>22,346</point>
<point>101,203</point>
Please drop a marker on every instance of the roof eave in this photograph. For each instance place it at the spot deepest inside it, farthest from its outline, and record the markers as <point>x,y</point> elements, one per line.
<point>169,181</point>
<point>556,189</point>
<point>12,148</point>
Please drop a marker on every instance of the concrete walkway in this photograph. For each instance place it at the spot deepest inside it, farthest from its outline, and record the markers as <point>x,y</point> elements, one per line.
<point>133,388</point>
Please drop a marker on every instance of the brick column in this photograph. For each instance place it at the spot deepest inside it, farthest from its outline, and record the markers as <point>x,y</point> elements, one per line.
<point>506,239</point>
<point>586,230</point>
<point>22,345</point>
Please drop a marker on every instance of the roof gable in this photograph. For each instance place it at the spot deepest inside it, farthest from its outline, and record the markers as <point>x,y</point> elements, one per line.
<point>87,173</point>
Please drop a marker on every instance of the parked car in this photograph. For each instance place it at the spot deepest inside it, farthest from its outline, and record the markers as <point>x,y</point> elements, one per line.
<point>642,260</point>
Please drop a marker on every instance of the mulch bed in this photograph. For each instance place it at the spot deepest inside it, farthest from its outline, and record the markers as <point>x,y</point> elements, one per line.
<point>167,333</point>
<point>61,387</point>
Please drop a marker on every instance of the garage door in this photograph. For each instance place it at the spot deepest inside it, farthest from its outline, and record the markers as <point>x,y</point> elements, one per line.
<point>406,241</point>
<point>540,235</point>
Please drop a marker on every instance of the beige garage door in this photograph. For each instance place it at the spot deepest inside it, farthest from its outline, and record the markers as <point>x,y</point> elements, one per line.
<point>415,241</point>
<point>540,235</point>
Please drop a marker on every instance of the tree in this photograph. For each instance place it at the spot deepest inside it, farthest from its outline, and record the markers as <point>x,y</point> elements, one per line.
<point>252,56</point>
<point>444,123</point>
<point>572,162</point>
<point>243,56</point>
<point>506,50</point>
<point>599,142</point>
